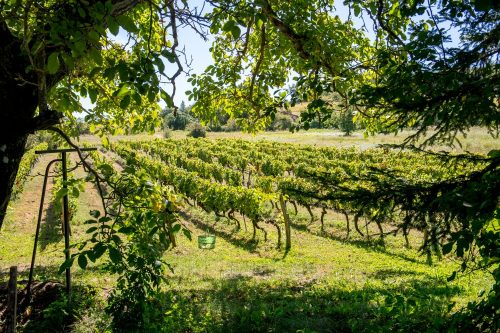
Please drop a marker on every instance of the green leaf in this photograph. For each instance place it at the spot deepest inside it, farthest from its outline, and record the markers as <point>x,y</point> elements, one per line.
<point>116,239</point>
<point>126,23</point>
<point>176,228</point>
<point>115,255</point>
<point>137,97</point>
<point>494,153</point>
<point>236,32</point>
<point>105,141</point>
<point>159,63</point>
<point>96,56</point>
<point>61,193</point>
<point>53,63</point>
<point>79,46</point>
<point>82,261</point>
<point>151,95</point>
<point>357,10</point>
<point>170,56</point>
<point>109,73</point>
<point>83,91</point>
<point>67,264</point>
<point>483,5</point>
<point>123,71</point>
<point>124,90</point>
<point>124,103</point>
<point>75,192</point>
<point>81,12</point>
<point>68,60</point>
<point>167,98</point>
<point>95,213</point>
<point>113,26</point>
<point>93,95</point>
<point>126,230</point>
<point>228,26</point>
<point>96,252</point>
<point>94,36</point>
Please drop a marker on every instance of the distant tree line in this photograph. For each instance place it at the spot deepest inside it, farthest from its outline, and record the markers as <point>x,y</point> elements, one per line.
<point>184,119</point>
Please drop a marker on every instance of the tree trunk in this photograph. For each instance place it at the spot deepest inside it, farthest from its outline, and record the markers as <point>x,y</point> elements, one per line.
<point>286,218</point>
<point>347,224</point>
<point>323,213</point>
<point>356,225</point>
<point>18,103</point>
<point>10,156</point>
<point>310,213</point>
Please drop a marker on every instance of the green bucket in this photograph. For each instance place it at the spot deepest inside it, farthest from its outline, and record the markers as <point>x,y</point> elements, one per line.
<point>206,242</point>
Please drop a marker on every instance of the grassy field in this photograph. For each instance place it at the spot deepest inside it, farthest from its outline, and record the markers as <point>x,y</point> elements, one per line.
<point>326,283</point>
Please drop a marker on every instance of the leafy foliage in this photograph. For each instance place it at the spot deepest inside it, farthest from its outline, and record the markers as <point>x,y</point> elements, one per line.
<point>72,188</point>
<point>27,163</point>
<point>196,130</point>
<point>140,227</point>
<point>61,313</point>
<point>178,120</point>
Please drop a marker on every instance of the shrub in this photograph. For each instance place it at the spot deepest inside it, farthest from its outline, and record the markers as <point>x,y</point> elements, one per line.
<point>231,126</point>
<point>281,122</point>
<point>167,133</point>
<point>61,314</point>
<point>196,130</point>
<point>177,122</point>
<point>346,122</point>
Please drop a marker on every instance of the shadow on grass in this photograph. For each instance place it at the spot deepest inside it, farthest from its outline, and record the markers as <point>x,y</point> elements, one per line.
<point>253,303</point>
<point>48,309</point>
<point>49,272</point>
<point>372,245</point>
<point>383,274</point>
<point>243,304</point>
<point>50,229</point>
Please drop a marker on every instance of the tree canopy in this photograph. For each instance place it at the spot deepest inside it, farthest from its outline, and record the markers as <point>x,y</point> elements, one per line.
<point>420,64</point>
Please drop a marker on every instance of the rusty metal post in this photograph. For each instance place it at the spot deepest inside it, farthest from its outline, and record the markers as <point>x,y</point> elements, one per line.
<point>37,232</point>
<point>66,221</point>
<point>66,225</point>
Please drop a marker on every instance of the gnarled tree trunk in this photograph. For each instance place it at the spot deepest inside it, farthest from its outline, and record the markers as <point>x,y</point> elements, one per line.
<point>18,102</point>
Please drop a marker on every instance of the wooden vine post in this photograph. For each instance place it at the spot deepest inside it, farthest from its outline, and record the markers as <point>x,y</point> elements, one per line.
<point>286,218</point>
<point>11,320</point>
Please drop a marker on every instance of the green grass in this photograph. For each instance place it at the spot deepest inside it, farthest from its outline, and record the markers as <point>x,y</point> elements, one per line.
<point>326,283</point>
